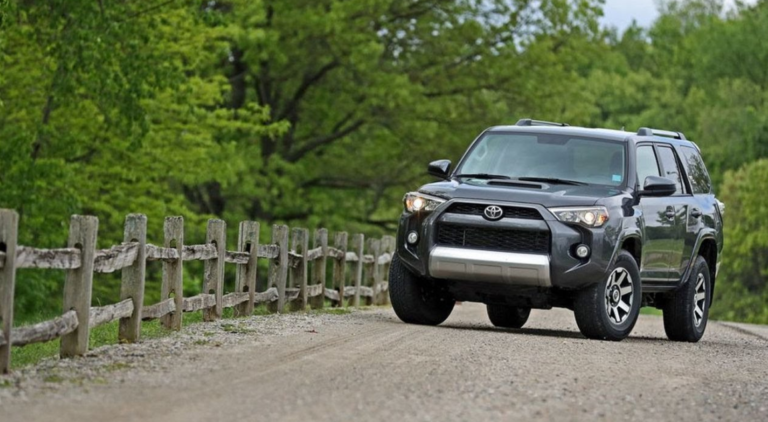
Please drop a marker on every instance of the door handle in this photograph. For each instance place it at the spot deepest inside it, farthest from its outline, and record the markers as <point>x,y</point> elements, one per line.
<point>670,213</point>
<point>695,213</point>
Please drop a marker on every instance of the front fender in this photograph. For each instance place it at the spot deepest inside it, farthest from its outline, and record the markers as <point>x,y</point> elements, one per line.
<point>630,230</point>
<point>629,234</point>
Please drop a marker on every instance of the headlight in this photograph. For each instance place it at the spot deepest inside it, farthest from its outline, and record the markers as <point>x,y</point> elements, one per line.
<point>415,202</point>
<point>588,216</point>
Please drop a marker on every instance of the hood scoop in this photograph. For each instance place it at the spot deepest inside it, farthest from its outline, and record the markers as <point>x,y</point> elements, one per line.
<point>516,184</point>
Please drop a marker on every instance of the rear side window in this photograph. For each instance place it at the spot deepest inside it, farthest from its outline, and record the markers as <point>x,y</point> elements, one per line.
<point>670,168</point>
<point>697,173</point>
<point>646,164</point>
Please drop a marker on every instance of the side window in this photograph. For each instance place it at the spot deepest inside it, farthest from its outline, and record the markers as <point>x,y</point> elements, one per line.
<point>646,164</point>
<point>671,169</point>
<point>697,173</point>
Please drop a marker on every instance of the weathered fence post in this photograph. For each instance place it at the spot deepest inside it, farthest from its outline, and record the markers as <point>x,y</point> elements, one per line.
<point>319,266</point>
<point>278,268</point>
<point>213,279</point>
<point>359,245</point>
<point>132,286</point>
<point>389,241</point>
<point>9,226</point>
<point>248,241</point>
<point>340,264</point>
<point>375,249</point>
<point>299,245</point>
<point>173,272</point>
<point>368,279</point>
<point>78,284</point>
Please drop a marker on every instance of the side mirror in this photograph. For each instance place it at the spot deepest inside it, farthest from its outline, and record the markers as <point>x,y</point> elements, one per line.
<point>439,168</point>
<point>658,186</point>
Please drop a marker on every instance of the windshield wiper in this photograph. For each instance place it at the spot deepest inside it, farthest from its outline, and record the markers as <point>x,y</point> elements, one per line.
<point>552,180</point>
<point>483,176</point>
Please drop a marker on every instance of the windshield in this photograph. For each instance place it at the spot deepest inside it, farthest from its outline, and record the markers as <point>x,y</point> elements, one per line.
<point>566,157</point>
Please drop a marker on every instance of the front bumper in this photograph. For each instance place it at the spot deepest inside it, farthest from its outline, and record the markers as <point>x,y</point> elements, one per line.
<point>491,266</point>
<point>558,267</point>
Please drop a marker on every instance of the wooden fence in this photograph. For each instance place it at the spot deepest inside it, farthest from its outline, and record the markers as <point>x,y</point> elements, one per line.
<point>290,283</point>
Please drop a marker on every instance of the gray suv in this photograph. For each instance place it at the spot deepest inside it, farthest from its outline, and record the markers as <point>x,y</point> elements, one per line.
<point>541,215</point>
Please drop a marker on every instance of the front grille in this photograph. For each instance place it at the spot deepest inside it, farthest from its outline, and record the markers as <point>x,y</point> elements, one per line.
<point>506,240</point>
<point>509,212</point>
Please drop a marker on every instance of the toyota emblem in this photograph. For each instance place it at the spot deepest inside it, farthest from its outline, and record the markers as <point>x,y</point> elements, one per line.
<point>493,212</point>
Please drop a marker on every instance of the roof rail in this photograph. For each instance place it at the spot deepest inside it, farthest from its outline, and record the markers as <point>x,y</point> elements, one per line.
<point>531,122</point>
<point>644,131</point>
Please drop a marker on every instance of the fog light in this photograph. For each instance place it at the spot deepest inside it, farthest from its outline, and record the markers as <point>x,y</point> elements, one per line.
<point>413,237</point>
<point>582,251</point>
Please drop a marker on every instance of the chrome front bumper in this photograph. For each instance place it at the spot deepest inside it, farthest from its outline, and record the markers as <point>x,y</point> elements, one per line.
<point>500,267</point>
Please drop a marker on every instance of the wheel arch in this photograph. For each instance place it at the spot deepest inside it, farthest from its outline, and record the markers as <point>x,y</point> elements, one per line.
<point>708,250</point>
<point>629,238</point>
<point>634,245</point>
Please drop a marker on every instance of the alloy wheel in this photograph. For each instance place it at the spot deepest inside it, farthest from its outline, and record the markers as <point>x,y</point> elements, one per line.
<point>699,300</point>
<point>618,295</point>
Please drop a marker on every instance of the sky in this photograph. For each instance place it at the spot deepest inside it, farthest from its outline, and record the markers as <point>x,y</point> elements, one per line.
<point>619,13</point>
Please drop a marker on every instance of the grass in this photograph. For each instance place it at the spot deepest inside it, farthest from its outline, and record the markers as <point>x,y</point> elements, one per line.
<point>237,329</point>
<point>58,379</point>
<point>116,366</point>
<point>261,310</point>
<point>650,311</point>
<point>100,336</point>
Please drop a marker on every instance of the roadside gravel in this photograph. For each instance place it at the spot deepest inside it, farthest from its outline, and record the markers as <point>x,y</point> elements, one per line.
<point>125,363</point>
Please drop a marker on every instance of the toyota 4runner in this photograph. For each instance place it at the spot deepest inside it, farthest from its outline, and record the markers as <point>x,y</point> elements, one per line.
<point>541,215</point>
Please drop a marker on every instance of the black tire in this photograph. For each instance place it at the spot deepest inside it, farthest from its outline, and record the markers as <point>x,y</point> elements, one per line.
<point>416,300</point>
<point>593,304</point>
<point>682,320</point>
<point>508,316</point>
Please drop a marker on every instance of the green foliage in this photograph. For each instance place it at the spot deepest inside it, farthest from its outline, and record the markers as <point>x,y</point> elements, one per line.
<point>324,113</point>
<point>742,291</point>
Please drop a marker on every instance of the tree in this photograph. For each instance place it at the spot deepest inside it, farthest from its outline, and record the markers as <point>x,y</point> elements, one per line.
<point>109,108</point>
<point>742,292</point>
<point>371,82</point>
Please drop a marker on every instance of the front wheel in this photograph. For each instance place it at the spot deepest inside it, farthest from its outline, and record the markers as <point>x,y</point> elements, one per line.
<point>608,310</point>
<point>687,310</point>
<point>417,300</point>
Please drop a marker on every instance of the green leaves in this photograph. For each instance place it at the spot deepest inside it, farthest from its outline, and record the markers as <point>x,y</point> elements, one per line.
<point>741,291</point>
<point>324,113</point>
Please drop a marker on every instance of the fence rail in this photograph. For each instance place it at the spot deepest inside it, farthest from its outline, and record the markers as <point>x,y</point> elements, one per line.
<point>297,276</point>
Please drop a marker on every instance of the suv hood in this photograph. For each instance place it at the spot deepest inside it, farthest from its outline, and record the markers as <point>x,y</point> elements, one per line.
<point>548,195</point>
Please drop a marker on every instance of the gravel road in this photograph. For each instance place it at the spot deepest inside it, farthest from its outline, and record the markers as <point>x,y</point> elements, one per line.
<point>369,366</point>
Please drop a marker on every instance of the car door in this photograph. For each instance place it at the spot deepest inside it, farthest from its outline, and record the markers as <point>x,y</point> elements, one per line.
<point>658,222</point>
<point>676,211</point>
<point>701,202</point>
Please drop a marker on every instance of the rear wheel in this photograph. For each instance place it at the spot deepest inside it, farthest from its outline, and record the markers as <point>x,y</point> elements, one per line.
<point>608,310</point>
<point>687,310</point>
<point>508,316</point>
<point>417,300</point>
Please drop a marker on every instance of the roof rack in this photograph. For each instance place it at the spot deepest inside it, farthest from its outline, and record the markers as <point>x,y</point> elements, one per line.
<point>531,122</point>
<point>644,131</point>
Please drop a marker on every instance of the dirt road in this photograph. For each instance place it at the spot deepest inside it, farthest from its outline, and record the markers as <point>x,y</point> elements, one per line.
<point>370,366</point>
